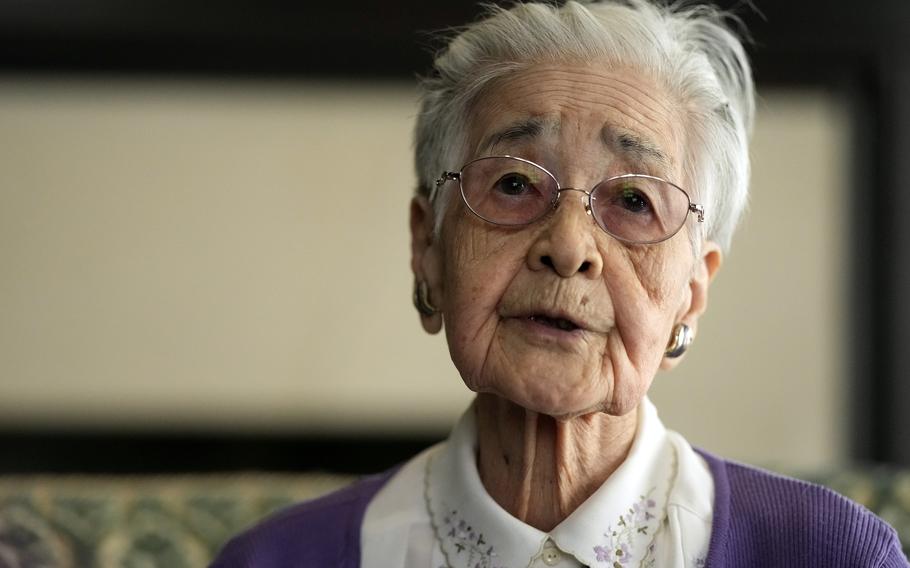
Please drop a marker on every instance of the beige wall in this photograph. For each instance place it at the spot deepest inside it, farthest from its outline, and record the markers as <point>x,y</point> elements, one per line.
<point>235,256</point>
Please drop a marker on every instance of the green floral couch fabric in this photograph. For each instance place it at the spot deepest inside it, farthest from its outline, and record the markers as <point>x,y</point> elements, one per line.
<point>142,522</point>
<point>181,522</point>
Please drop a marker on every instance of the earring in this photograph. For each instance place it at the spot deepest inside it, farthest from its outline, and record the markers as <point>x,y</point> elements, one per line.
<point>422,299</point>
<point>680,340</point>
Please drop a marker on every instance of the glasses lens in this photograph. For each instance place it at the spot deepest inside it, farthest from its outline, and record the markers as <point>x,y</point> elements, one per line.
<point>507,191</point>
<point>639,209</point>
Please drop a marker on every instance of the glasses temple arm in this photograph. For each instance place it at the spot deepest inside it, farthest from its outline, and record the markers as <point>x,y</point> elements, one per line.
<point>446,176</point>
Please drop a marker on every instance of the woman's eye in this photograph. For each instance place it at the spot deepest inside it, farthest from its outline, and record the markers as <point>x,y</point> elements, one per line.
<point>513,184</point>
<point>632,200</point>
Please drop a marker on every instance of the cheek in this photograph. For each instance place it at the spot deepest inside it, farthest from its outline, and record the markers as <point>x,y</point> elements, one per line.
<point>479,268</point>
<point>659,273</point>
<point>647,304</point>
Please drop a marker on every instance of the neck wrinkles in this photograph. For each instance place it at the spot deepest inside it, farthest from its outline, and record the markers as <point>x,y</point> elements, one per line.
<point>541,469</point>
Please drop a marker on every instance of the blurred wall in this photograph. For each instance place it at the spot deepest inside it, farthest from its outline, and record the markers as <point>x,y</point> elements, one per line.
<point>234,256</point>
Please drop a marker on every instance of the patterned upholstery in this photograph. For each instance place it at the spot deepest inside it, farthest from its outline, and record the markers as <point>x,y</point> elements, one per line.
<point>180,522</point>
<point>137,522</point>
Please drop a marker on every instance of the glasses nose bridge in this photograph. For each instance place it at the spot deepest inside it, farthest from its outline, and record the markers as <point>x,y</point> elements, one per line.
<point>586,197</point>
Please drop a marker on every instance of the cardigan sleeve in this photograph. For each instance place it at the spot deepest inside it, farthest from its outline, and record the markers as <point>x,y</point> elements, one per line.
<point>761,517</point>
<point>894,556</point>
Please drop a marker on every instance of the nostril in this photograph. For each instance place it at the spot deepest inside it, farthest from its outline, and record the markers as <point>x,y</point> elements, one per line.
<point>547,261</point>
<point>584,266</point>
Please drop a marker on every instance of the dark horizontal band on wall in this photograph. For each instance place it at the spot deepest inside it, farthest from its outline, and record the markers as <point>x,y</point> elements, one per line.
<point>106,452</point>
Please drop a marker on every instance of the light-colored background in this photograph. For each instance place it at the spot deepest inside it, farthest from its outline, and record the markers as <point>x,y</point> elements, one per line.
<point>234,256</point>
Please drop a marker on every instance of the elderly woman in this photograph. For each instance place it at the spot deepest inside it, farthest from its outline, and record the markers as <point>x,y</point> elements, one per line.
<point>581,171</point>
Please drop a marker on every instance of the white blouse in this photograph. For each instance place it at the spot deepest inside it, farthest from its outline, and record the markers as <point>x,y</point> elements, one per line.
<point>655,510</point>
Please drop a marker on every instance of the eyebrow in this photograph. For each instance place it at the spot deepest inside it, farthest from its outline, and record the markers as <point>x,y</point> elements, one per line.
<point>633,146</point>
<point>526,129</point>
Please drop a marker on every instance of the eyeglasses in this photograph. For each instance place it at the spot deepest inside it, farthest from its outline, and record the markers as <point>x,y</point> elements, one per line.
<point>634,208</point>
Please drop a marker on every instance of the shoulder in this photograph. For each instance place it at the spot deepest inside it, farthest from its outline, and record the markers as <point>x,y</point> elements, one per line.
<point>322,532</point>
<point>759,514</point>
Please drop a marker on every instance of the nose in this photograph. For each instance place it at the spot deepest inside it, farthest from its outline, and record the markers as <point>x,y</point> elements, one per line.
<point>566,244</point>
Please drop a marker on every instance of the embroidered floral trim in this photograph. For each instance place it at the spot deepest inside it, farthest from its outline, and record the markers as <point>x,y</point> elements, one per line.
<point>468,544</point>
<point>480,553</point>
<point>641,519</point>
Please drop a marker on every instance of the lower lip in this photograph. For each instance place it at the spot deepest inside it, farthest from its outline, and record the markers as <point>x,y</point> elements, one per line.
<point>546,332</point>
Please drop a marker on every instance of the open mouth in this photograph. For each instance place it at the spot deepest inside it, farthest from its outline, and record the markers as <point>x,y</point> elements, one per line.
<point>557,323</point>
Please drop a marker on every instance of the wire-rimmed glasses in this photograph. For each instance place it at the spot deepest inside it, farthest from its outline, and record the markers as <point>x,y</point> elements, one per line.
<point>634,208</point>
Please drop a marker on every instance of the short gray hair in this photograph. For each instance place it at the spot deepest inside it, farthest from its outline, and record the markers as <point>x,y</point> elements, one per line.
<point>689,49</point>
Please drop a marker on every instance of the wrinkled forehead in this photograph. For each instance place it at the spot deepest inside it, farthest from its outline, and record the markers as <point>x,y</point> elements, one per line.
<point>618,117</point>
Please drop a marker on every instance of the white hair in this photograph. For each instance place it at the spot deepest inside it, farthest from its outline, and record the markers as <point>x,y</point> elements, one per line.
<point>688,49</point>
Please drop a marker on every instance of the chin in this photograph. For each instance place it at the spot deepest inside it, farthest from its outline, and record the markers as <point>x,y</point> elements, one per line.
<point>560,406</point>
<point>561,387</point>
<point>569,407</point>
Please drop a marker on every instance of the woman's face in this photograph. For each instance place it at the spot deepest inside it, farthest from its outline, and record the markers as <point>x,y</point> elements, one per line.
<point>558,316</point>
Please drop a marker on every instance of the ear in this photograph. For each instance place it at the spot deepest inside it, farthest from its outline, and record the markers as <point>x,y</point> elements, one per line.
<point>426,259</point>
<point>703,273</point>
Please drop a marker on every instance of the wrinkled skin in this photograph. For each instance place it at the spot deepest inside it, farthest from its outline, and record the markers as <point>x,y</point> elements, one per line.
<point>557,408</point>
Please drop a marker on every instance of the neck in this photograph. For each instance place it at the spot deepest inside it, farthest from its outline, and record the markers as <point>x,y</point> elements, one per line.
<point>540,469</point>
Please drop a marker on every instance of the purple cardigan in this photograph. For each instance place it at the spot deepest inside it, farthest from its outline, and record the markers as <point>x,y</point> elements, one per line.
<point>760,519</point>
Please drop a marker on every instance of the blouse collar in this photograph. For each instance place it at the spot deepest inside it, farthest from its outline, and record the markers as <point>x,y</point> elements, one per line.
<point>616,524</point>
